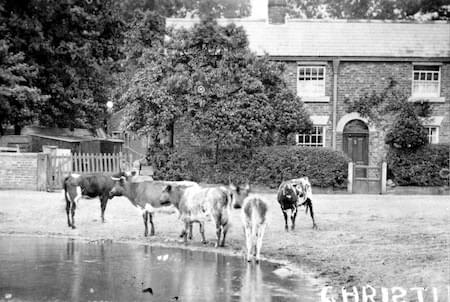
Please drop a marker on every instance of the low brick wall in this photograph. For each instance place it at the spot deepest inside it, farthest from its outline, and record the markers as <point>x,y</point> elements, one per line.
<point>19,171</point>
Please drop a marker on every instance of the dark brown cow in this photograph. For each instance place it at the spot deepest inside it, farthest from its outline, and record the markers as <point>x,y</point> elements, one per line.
<point>77,186</point>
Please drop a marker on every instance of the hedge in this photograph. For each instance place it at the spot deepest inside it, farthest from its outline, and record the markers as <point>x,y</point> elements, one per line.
<point>418,167</point>
<point>265,166</point>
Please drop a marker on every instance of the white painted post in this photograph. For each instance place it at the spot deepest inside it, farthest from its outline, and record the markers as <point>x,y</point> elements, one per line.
<point>350,178</point>
<point>383,177</point>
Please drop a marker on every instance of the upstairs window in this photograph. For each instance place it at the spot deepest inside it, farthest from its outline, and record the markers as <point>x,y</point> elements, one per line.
<point>311,81</point>
<point>426,81</point>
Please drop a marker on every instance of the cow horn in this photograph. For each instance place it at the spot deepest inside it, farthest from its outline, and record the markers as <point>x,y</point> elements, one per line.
<point>115,178</point>
<point>123,177</point>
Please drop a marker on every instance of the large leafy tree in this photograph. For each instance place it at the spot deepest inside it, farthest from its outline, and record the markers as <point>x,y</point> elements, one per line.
<point>73,45</point>
<point>20,101</point>
<point>208,75</point>
<point>371,9</point>
<point>189,8</point>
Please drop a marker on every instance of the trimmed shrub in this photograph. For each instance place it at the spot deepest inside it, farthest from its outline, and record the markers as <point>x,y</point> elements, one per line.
<point>265,166</point>
<point>418,167</point>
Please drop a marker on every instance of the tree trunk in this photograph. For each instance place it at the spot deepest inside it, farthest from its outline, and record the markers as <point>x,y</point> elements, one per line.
<point>217,153</point>
<point>171,134</point>
<point>17,129</point>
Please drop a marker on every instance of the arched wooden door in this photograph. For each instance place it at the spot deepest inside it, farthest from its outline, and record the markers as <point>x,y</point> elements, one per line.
<point>356,144</point>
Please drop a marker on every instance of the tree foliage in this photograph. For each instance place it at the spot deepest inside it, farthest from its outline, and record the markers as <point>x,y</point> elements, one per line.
<point>20,101</point>
<point>189,8</point>
<point>209,75</point>
<point>392,112</point>
<point>72,45</point>
<point>371,9</point>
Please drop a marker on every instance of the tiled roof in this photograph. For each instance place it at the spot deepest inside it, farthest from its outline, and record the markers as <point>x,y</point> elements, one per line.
<point>345,38</point>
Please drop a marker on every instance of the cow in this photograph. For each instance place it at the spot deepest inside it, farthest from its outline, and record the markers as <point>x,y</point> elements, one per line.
<point>145,195</point>
<point>304,190</point>
<point>254,219</point>
<point>77,186</point>
<point>198,204</point>
<point>288,198</point>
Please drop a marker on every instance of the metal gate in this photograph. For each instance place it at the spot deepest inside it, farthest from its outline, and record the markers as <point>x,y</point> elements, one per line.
<point>365,179</point>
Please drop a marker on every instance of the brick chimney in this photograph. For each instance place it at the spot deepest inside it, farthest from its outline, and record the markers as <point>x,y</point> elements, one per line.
<point>277,11</point>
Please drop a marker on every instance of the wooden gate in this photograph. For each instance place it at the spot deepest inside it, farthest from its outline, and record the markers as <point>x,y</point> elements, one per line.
<point>365,179</point>
<point>60,166</point>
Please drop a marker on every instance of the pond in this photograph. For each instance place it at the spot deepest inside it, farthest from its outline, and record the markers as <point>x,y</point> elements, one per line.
<point>55,269</point>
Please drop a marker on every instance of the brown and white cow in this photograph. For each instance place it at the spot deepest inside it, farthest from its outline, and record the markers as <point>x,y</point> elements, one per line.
<point>198,204</point>
<point>254,219</point>
<point>145,196</point>
<point>78,186</point>
<point>292,194</point>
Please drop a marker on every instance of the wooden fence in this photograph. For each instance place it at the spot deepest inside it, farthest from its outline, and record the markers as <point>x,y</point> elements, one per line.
<point>98,163</point>
<point>59,166</point>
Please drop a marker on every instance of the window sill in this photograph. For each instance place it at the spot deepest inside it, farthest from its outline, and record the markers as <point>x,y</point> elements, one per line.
<point>416,99</point>
<point>315,99</point>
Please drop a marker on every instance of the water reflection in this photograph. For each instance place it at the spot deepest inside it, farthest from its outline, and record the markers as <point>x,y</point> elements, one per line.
<point>42,269</point>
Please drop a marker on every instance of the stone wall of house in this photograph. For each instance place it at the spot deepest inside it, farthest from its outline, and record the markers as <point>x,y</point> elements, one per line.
<point>19,171</point>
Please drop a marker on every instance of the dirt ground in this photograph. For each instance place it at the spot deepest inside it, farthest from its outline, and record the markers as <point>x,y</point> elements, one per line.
<point>384,241</point>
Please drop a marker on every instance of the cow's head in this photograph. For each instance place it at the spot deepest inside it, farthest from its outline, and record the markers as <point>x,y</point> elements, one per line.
<point>171,194</point>
<point>120,183</point>
<point>289,192</point>
<point>238,193</point>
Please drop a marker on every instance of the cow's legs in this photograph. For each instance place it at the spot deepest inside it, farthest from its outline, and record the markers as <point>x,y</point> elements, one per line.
<point>285,220</point>
<point>103,202</point>
<point>72,212</point>
<point>248,241</point>
<point>68,212</point>
<point>152,231</point>
<point>202,231</point>
<point>293,216</point>
<point>311,212</point>
<point>218,233</point>
<point>260,235</point>
<point>145,216</point>
<point>190,230</point>
<point>185,231</point>
<point>224,234</point>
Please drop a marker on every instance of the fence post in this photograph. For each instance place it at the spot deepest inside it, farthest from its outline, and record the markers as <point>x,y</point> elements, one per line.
<point>350,178</point>
<point>383,177</point>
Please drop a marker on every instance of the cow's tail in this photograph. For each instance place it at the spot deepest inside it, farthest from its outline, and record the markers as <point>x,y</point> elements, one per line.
<point>66,197</point>
<point>308,206</point>
<point>226,213</point>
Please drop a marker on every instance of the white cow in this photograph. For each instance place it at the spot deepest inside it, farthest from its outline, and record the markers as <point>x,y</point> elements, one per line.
<point>254,218</point>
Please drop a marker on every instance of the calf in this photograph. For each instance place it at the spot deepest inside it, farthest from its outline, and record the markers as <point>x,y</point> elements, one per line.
<point>304,192</point>
<point>254,218</point>
<point>145,195</point>
<point>287,197</point>
<point>77,186</point>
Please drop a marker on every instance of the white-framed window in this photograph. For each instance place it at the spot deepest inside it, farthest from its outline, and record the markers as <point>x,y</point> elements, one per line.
<point>426,81</point>
<point>314,138</point>
<point>433,134</point>
<point>310,81</point>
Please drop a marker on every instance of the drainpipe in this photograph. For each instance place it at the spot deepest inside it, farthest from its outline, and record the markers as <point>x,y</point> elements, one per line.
<point>335,80</point>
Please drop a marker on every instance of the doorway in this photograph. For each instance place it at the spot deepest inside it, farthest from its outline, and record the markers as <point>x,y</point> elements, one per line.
<point>356,145</point>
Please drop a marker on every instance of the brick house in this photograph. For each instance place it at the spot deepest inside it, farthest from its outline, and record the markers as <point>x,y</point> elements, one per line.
<point>331,61</point>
